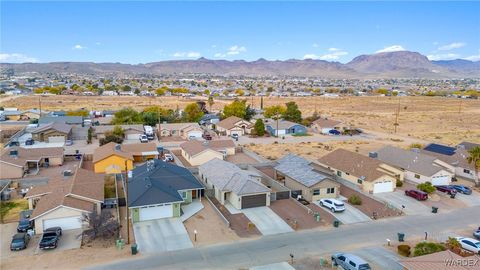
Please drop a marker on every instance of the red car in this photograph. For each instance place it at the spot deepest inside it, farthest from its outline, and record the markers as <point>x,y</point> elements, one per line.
<point>417,194</point>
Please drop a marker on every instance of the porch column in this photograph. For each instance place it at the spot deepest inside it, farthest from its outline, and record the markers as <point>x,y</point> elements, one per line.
<point>199,191</point>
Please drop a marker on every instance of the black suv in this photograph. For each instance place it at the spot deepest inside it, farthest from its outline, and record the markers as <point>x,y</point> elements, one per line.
<point>50,238</point>
<point>24,225</point>
<point>19,241</point>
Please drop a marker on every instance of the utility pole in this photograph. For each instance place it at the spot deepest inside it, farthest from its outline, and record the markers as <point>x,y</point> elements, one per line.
<point>40,105</point>
<point>396,117</point>
<point>126,201</point>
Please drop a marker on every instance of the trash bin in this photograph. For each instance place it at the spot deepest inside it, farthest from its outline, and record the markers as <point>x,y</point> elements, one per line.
<point>134,249</point>
<point>336,223</point>
<point>317,217</point>
<point>434,209</point>
<point>401,237</point>
<point>452,195</point>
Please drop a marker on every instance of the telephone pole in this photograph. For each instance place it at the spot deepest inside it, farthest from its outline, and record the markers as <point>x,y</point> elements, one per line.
<point>126,201</point>
<point>396,116</point>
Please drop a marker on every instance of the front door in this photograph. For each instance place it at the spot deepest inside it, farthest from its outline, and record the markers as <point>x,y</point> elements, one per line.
<point>194,194</point>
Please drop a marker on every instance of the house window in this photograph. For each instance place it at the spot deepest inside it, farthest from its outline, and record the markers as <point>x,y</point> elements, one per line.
<point>417,176</point>
<point>316,191</point>
<point>330,190</point>
<point>360,181</point>
<point>339,173</point>
<point>466,171</point>
<point>184,195</point>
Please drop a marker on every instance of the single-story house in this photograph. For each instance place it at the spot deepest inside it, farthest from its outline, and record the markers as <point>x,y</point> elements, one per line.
<point>284,127</point>
<point>69,120</point>
<point>371,175</point>
<point>323,124</point>
<point>131,132</point>
<point>14,115</point>
<point>234,125</point>
<point>15,162</point>
<point>65,200</point>
<point>197,152</point>
<point>301,175</point>
<point>184,130</point>
<point>455,157</point>
<point>209,120</point>
<point>417,167</point>
<point>52,132</point>
<point>141,151</point>
<point>241,188</point>
<point>110,158</point>
<point>158,189</point>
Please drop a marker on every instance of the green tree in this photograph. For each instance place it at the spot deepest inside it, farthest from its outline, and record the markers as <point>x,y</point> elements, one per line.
<point>127,116</point>
<point>237,108</point>
<point>275,112</point>
<point>160,91</point>
<point>110,137</point>
<point>259,127</point>
<point>292,113</point>
<point>83,113</point>
<point>382,91</point>
<point>89,135</point>
<point>193,112</point>
<point>474,159</point>
<point>126,88</point>
<point>118,131</point>
<point>426,187</point>
<point>206,92</point>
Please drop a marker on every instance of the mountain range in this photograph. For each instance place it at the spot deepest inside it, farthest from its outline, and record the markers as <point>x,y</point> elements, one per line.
<point>401,64</point>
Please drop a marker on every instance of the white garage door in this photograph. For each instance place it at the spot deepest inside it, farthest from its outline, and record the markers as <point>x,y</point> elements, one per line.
<point>238,132</point>
<point>68,223</point>
<point>441,180</point>
<point>196,134</point>
<point>133,136</point>
<point>156,212</point>
<point>383,187</point>
<point>56,139</point>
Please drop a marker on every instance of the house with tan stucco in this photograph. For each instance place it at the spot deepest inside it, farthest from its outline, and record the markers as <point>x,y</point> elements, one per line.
<point>198,152</point>
<point>15,162</point>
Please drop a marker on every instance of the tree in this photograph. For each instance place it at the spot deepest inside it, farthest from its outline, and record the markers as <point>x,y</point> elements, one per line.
<point>83,113</point>
<point>118,131</point>
<point>127,116</point>
<point>474,159</point>
<point>259,127</point>
<point>193,112</point>
<point>426,187</point>
<point>102,224</point>
<point>161,91</point>
<point>206,92</point>
<point>126,88</point>
<point>275,112</point>
<point>237,108</point>
<point>240,92</point>
<point>261,103</point>
<point>210,102</point>
<point>292,113</point>
<point>89,135</point>
<point>110,137</point>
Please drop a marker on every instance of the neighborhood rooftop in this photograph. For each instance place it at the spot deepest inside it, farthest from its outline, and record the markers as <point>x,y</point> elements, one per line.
<point>409,160</point>
<point>299,169</point>
<point>194,147</point>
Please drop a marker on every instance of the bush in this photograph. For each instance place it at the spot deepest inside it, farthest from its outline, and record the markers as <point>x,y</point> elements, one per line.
<point>404,250</point>
<point>399,183</point>
<point>416,145</point>
<point>426,248</point>
<point>355,200</point>
<point>426,187</point>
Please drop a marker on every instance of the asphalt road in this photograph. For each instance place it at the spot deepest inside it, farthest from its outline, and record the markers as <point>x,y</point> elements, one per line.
<point>276,248</point>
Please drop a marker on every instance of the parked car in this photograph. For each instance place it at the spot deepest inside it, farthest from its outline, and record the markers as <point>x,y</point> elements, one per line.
<point>207,136</point>
<point>349,262</point>
<point>143,138</point>
<point>417,194</point>
<point>334,132</point>
<point>29,141</point>
<point>19,241</point>
<point>50,238</point>
<point>150,136</point>
<point>476,233</point>
<point>168,158</point>
<point>68,142</point>
<point>24,225</point>
<point>462,189</point>
<point>333,204</point>
<point>469,244</point>
<point>447,189</point>
<point>235,136</point>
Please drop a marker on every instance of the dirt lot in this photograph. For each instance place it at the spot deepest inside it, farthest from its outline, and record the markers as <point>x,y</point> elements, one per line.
<point>210,228</point>
<point>369,205</point>
<point>291,212</point>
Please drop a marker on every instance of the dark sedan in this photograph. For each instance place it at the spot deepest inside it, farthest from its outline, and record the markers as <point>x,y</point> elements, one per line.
<point>50,238</point>
<point>24,225</point>
<point>447,189</point>
<point>462,189</point>
<point>19,241</point>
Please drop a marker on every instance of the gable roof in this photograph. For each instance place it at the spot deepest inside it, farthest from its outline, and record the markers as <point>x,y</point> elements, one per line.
<point>229,177</point>
<point>178,126</point>
<point>324,122</point>
<point>140,149</point>
<point>458,159</point>
<point>282,124</point>
<point>110,149</point>
<point>109,128</point>
<point>409,160</point>
<point>195,147</point>
<point>436,261</point>
<point>353,163</point>
<point>61,119</point>
<point>58,126</point>
<point>157,182</point>
<point>229,122</point>
<point>29,154</point>
<point>300,170</point>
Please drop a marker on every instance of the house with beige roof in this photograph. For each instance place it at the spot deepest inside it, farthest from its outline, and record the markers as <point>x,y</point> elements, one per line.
<point>64,200</point>
<point>115,158</point>
<point>131,132</point>
<point>232,185</point>
<point>199,152</point>
<point>52,132</point>
<point>371,175</point>
<point>234,125</point>
<point>15,162</point>
<point>183,130</point>
<point>323,124</point>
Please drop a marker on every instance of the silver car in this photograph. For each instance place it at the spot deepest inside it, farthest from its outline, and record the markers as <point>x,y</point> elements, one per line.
<point>349,262</point>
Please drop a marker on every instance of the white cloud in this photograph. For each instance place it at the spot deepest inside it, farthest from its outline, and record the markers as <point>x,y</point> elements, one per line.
<point>310,56</point>
<point>451,46</point>
<point>445,56</point>
<point>333,49</point>
<point>315,45</point>
<point>78,47</point>
<point>16,58</point>
<point>234,50</point>
<point>393,48</point>
<point>334,54</point>
<point>473,57</point>
<point>187,54</point>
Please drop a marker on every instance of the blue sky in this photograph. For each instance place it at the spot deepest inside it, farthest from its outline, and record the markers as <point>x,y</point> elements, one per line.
<point>141,32</point>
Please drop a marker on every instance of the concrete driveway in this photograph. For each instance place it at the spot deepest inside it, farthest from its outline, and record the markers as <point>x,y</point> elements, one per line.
<point>161,235</point>
<point>379,258</point>
<point>350,215</point>
<point>398,198</point>
<point>69,240</point>
<point>470,200</point>
<point>266,220</point>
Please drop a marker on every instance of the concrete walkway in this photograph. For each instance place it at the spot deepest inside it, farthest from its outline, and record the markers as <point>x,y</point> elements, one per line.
<point>191,209</point>
<point>273,266</point>
<point>267,222</point>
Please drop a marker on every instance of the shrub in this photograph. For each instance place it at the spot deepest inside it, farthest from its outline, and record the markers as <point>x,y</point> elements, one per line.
<point>426,187</point>
<point>399,183</point>
<point>404,250</point>
<point>355,200</point>
<point>416,145</point>
<point>426,248</point>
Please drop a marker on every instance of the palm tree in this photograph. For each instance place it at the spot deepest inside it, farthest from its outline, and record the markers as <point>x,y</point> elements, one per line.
<point>474,158</point>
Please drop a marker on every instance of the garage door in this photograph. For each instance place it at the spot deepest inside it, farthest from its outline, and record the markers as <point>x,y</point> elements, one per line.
<point>254,200</point>
<point>441,180</point>
<point>135,136</point>
<point>156,212</point>
<point>238,132</point>
<point>196,134</point>
<point>68,223</point>
<point>56,139</point>
<point>383,187</point>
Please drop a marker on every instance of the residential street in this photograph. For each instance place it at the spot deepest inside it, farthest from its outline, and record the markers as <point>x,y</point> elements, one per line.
<point>276,248</point>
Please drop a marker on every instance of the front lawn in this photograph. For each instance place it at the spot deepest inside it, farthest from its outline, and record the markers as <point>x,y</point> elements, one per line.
<point>10,210</point>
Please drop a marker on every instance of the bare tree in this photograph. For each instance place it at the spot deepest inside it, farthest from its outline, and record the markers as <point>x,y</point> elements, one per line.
<point>103,225</point>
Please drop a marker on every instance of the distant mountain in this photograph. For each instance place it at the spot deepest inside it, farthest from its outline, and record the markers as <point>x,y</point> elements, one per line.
<point>403,64</point>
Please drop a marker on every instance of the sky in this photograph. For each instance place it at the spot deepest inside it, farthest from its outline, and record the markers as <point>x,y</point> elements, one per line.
<point>142,32</point>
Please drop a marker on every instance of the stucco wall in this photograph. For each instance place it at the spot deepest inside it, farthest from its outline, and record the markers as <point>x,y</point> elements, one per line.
<point>61,212</point>
<point>307,192</point>
<point>10,171</point>
<point>116,164</point>
<point>202,157</point>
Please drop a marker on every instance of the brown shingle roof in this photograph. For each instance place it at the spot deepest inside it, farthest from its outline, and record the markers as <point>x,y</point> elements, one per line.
<point>438,261</point>
<point>195,147</point>
<point>110,149</point>
<point>24,154</point>
<point>136,149</point>
<point>61,127</point>
<point>229,122</point>
<point>353,163</point>
<point>323,122</point>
